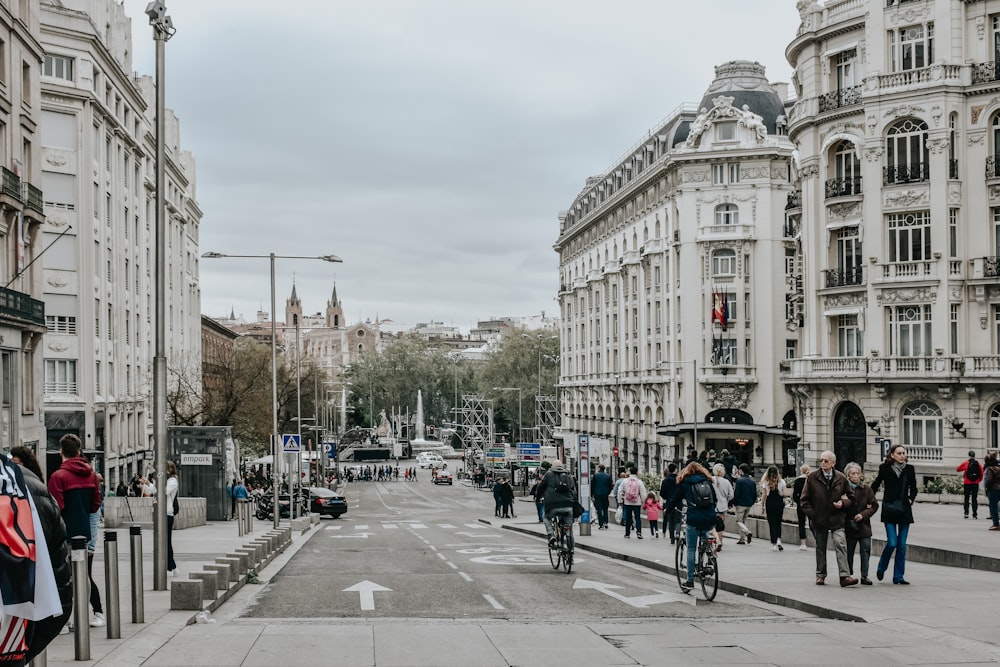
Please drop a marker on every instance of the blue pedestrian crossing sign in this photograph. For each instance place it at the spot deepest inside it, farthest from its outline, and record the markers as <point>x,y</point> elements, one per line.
<point>291,443</point>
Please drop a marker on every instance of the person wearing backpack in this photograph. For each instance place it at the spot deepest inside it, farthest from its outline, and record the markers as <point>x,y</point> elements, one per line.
<point>631,494</point>
<point>558,489</point>
<point>694,488</point>
<point>992,484</point>
<point>972,475</point>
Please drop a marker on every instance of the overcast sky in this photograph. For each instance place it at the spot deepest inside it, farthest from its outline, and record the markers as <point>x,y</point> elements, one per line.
<point>428,143</point>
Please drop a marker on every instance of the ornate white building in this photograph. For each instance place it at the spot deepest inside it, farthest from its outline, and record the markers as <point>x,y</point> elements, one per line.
<point>678,286</point>
<point>97,141</point>
<point>897,211</point>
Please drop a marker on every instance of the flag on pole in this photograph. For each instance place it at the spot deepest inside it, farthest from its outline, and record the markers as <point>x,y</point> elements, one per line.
<point>720,311</point>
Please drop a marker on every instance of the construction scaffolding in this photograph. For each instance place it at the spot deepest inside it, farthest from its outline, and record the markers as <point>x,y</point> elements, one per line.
<point>475,425</point>
<point>547,417</point>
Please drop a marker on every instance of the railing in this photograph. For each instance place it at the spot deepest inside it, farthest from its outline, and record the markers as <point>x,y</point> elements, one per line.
<point>934,74</point>
<point>906,173</point>
<point>992,167</point>
<point>843,187</point>
<point>21,306</point>
<point>11,185</point>
<point>953,169</point>
<point>908,270</point>
<point>991,267</point>
<point>794,200</point>
<point>890,3</point>
<point>845,277</point>
<point>985,72</point>
<point>955,268</point>
<point>60,388</point>
<point>838,99</point>
<point>35,202</point>
<point>922,453</point>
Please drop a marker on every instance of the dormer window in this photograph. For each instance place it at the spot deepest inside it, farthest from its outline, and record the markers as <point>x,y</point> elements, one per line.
<point>725,131</point>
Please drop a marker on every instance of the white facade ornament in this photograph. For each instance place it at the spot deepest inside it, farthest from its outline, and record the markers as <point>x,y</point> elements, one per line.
<point>723,109</point>
<point>57,281</point>
<point>56,159</point>
<point>906,198</point>
<point>938,145</point>
<point>57,345</point>
<point>903,110</point>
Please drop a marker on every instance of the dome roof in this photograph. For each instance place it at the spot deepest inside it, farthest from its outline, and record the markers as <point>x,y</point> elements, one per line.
<point>745,81</point>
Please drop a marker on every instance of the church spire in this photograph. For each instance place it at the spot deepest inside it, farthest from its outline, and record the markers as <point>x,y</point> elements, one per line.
<point>334,311</point>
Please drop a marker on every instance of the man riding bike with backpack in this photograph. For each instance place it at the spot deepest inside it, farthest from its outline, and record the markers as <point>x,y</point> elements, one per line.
<point>558,488</point>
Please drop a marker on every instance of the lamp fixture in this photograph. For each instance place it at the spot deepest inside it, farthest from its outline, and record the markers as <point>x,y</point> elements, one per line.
<point>958,426</point>
<point>874,425</point>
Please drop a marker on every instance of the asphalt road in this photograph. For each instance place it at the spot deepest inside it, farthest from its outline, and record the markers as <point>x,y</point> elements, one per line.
<point>416,550</point>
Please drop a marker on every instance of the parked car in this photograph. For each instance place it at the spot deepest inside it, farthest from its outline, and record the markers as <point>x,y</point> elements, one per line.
<point>442,476</point>
<point>324,501</point>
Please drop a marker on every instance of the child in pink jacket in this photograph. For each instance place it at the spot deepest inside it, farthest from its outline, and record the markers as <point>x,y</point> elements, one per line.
<point>652,508</point>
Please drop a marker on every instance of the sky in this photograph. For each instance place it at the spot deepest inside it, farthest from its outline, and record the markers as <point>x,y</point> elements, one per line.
<point>430,144</point>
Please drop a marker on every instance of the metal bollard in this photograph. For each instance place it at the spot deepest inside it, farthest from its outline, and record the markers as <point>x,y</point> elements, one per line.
<point>81,597</point>
<point>138,614</point>
<point>249,514</point>
<point>111,583</point>
<point>241,523</point>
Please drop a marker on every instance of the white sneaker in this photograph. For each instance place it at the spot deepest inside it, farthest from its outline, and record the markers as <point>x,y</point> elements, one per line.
<point>774,547</point>
<point>171,573</point>
<point>97,621</point>
<point>802,547</point>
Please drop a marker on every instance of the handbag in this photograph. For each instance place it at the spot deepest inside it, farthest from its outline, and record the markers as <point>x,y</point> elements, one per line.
<point>577,509</point>
<point>893,512</point>
<point>618,514</point>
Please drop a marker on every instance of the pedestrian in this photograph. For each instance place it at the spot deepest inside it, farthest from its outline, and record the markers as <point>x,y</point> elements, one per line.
<point>772,498</point>
<point>74,487</point>
<point>497,500</point>
<point>744,497</point>
<point>631,493</point>
<point>671,517</point>
<point>800,516</point>
<point>171,491</point>
<point>701,515</point>
<point>539,499</point>
<point>507,499</point>
<point>992,484</point>
<point>826,502</point>
<point>900,481</point>
<point>972,475</point>
<point>600,489</point>
<point>231,494</point>
<point>652,508</point>
<point>859,526</point>
<point>724,498</point>
<point>95,591</point>
<point>732,469</point>
<point>121,490</point>
<point>622,474</point>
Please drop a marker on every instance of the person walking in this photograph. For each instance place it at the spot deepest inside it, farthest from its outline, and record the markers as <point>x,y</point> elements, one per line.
<point>724,498</point>
<point>900,482</point>
<point>992,484</point>
<point>652,508</point>
<point>539,500</point>
<point>95,591</point>
<point>600,489</point>
<point>631,493</point>
<point>694,488</point>
<point>744,497</point>
<point>671,517</point>
<point>972,475</point>
<point>231,494</point>
<point>171,490</point>
<point>496,497</point>
<point>772,498</point>
<point>800,516</point>
<point>859,526</point>
<point>825,501</point>
<point>507,499</point>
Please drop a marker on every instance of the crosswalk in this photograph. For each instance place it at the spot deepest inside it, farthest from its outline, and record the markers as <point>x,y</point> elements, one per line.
<point>396,525</point>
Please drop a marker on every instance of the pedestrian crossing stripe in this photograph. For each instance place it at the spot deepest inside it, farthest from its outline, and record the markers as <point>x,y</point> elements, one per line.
<point>445,525</point>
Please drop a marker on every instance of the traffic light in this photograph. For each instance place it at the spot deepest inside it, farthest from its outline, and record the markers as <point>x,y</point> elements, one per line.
<point>615,451</point>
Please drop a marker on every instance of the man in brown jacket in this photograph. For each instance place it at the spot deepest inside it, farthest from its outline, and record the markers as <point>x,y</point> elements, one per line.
<point>825,501</point>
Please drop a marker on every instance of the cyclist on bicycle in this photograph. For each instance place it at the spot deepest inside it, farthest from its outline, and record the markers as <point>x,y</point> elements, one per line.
<point>558,488</point>
<point>694,486</point>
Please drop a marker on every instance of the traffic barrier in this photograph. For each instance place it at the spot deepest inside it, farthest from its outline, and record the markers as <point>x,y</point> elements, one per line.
<point>113,618</point>
<point>138,609</point>
<point>81,598</point>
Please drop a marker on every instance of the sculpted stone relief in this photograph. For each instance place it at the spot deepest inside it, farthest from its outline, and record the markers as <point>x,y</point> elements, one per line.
<point>903,110</point>
<point>918,294</point>
<point>848,299</point>
<point>723,109</point>
<point>906,198</point>
<point>721,396</point>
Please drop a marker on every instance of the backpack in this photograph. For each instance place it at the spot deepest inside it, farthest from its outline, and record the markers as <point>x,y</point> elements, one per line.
<point>974,472</point>
<point>562,483</point>
<point>704,495</point>
<point>632,490</point>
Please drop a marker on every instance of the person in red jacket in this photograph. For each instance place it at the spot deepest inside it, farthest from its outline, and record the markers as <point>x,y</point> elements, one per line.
<point>972,475</point>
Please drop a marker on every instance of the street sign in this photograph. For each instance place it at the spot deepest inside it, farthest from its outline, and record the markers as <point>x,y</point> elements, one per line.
<point>496,456</point>
<point>529,454</point>
<point>196,459</point>
<point>291,443</point>
<point>331,450</point>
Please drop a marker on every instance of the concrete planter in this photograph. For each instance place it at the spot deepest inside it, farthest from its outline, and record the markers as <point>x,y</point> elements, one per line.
<point>126,511</point>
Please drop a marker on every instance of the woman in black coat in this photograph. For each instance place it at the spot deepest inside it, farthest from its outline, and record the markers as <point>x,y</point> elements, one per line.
<point>900,481</point>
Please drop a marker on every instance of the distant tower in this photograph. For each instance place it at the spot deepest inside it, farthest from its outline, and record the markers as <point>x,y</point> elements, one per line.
<point>334,311</point>
<point>293,309</point>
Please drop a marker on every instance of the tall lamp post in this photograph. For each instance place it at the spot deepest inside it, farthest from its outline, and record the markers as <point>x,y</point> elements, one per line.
<point>163,29</point>
<point>275,454</point>
<point>694,397</point>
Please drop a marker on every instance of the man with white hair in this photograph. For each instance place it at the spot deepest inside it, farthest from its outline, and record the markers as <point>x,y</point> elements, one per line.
<point>825,501</point>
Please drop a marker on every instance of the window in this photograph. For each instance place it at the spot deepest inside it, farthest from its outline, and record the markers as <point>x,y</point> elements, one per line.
<point>60,324</point>
<point>719,172</point>
<point>953,232</point>
<point>727,214</point>
<point>906,144</point>
<point>846,171</point>
<point>923,431</point>
<point>725,352</point>
<point>994,427</point>
<point>953,330</point>
<point>734,172</point>
<point>996,232</point>
<point>724,262</point>
<point>58,67</point>
<point>791,349</point>
<point>912,47</point>
<point>910,330</point>
<point>996,327</point>
<point>725,131</point>
<point>60,376</point>
<point>846,67</point>
<point>850,340</point>
<point>789,261</point>
<point>910,236</point>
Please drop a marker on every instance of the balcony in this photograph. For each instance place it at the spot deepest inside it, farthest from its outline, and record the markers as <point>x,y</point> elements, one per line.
<point>838,99</point>
<point>20,306</point>
<point>985,72</point>
<point>880,369</point>
<point>908,270</point>
<point>794,200</point>
<point>991,267</point>
<point>992,167</point>
<point>34,198</point>
<point>906,173</point>
<point>937,74</point>
<point>845,277</point>
<point>843,187</point>
<point>11,185</point>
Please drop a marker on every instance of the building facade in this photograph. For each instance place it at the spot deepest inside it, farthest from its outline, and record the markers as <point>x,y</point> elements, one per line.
<point>676,290</point>
<point>98,166</point>
<point>897,212</point>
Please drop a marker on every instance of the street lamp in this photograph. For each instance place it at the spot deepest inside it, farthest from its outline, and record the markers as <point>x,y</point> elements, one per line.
<point>275,458</point>
<point>694,397</point>
<point>163,29</point>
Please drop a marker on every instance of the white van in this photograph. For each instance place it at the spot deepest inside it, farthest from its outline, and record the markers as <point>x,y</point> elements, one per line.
<point>429,460</point>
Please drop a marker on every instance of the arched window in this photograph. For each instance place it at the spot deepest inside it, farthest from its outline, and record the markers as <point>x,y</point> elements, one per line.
<point>724,262</point>
<point>906,150</point>
<point>993,161</point>
<point>727,214</point>
<point>994,442</point>
<point>846,171</point>
<point>923,431</point>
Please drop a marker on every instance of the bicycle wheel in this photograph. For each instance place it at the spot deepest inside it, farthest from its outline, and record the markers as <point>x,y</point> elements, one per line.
<point>567,554</point>
<point>708,571</point>
<point>680,562</point>
<point>555,551</point>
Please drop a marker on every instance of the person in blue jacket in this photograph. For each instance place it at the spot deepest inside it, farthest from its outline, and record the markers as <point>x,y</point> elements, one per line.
<point>700,520</point>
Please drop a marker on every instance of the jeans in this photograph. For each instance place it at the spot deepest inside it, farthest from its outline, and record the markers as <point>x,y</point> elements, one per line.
<point>971,492</point>
<point>565,516</point>
<point>653,525</point>
<point>801,516</point>
<point>839,547</point>
<point>541,510</point>
<point>95,591</point>
<point>601,507</point>
<point>692,547</point>
<point>895,540</point>
<point>866,553</point>
<point>994,500</point>
<point>632,518</point>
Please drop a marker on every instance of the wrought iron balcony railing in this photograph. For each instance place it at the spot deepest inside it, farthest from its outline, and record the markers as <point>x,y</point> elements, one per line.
<point>11,184</point>
<point>794,199</point>
<point>985,72</point>
<point>991,267</point>
<point>838,99</point>
<point>20,306</point>
<point>992,167</point>
<point>843,187</point>
<point>34,198</point>
<point>845,277</point>
<point>907,173</point>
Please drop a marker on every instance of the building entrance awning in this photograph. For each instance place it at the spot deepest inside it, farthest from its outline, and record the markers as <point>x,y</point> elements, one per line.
<point>725,429</point>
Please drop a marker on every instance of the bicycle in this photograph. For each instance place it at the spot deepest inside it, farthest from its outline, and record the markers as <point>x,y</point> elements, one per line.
<point>706,564</point>
<point>561,552</point>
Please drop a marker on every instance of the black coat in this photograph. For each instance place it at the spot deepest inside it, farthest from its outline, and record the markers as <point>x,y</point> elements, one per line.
<point>53,528</point>
<point>901,487</point>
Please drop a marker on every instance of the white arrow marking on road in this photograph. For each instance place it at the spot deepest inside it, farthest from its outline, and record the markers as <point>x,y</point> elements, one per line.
<point>362,535</point>
<point>366,591</point>
<point>478,534</point>
<point>640,601</point>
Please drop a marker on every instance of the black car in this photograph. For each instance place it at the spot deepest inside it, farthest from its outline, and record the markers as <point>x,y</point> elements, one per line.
<point>324,501</point>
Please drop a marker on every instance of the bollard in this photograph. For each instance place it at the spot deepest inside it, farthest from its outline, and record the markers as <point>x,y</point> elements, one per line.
<point>138,614</point>
<point>81,597</point>
<point>111,584</point>
<point>249,511</point>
